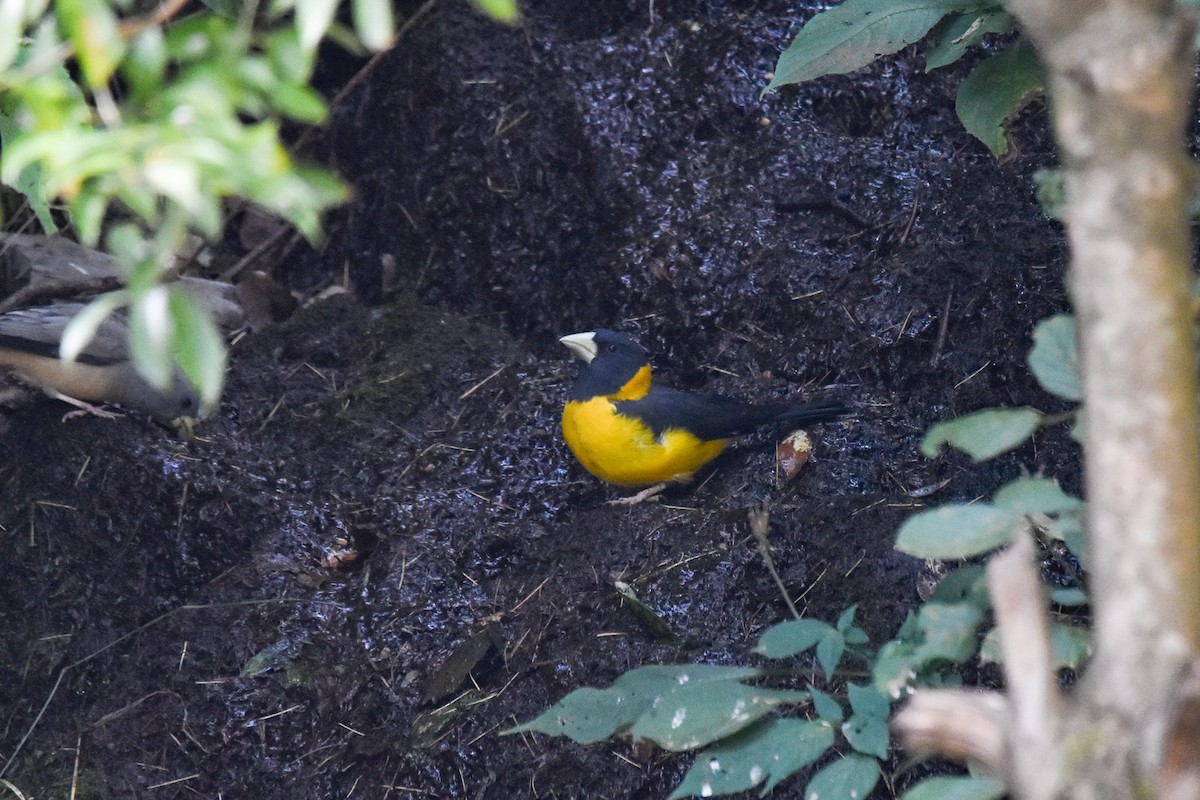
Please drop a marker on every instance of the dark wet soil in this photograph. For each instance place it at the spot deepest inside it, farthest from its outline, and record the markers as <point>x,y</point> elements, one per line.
<point>598,167</point>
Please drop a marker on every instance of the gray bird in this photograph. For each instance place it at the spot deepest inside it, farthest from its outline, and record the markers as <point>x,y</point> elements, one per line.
<point>29,342</point>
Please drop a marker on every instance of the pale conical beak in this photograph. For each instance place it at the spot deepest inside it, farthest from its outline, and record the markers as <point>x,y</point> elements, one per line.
<point>583,345</point>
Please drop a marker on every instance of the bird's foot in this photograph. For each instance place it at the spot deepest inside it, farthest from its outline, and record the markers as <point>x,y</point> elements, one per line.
<point>84,409</point>
<point>640,497</point>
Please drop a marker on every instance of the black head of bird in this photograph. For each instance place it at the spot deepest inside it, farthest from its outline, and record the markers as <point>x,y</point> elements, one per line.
<point>627,430</point>
<point>617,368</point>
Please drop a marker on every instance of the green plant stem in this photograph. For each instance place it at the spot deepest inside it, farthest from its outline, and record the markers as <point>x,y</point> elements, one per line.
<point>759,526</point>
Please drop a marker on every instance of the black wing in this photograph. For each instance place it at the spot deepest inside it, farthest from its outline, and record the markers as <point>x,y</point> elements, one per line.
<point>719,417</point>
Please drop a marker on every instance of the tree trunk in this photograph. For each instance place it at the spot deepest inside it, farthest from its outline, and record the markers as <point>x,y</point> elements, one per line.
<point>1120,84</point>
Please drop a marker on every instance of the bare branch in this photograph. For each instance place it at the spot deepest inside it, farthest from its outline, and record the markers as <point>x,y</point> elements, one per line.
<point>965,726</point>
<point>1016,592</point>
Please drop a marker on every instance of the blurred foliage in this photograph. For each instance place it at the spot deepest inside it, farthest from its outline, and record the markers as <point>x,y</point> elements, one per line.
<point>134,127</point>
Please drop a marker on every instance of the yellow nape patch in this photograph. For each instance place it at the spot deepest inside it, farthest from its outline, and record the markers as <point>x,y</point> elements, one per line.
<point>624,451</point>
<point>636,387</point>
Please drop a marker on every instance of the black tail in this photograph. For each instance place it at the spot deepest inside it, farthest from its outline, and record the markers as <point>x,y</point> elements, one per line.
<point>741,418</point>
<point>811,413</point>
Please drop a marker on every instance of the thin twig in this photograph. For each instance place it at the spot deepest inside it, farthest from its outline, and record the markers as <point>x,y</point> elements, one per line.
<point>943,328</point>
<point>759,524</point>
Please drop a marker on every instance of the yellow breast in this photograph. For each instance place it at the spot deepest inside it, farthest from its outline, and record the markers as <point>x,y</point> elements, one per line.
<point>624,451</point>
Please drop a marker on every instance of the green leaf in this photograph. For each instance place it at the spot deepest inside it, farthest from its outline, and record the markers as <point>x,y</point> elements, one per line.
<point>957,33</point>
<point>1070,645</point>
<point>866,701</point>
<point>199,348</point>
<point>150,336</point>
<point>1051,191</point>
<point>343,37</point>
<point>850,777</point>
<point>771,750</point>
<point>867,735</point>
<point>949,630</point>
<point>92,29</point>
<point>965,584</point>
<point>996,90</point>
<point>29,180</point>
<point>83,326</point>
<point>1035,496</point>
<point>1077,426</point>
<point>809,739</point>
<point>195,39</point>
<point>500,10</point>
<point>1069,528</point>
<point>87,212</point>
<point>374,22</point>
<point>956,531</point>
<point>146,63</point>
<point>945,787</point>
<point>694,715</point>
<point>856,636</point>
<point>940,632</point>
<point>1071,597</point>
<point>129,247</point>
<point>983,434</point>
<point>855,33</point>
<point>312,20</point>
<point>1054,359</point>
<point>791,637</point>
<point>1065,525</point>
<point>589,715</point>
<point>847,618</point>
<point>989,650</point>
<point>176,176</point>
<point>829,652</point>
<point>11,26</point>
<point>826,707</point>
<point>299,103</point>
<point>290,62</point>
<point>894,668</point>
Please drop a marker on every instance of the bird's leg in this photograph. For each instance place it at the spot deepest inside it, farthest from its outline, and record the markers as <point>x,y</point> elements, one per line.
<point>640,497</point>
<point>82,409</point>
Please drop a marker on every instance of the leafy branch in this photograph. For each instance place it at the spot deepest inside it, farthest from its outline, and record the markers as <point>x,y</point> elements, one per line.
<point>135,131</point>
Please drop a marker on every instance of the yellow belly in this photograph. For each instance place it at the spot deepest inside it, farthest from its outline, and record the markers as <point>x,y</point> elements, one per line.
<point>624,451</point>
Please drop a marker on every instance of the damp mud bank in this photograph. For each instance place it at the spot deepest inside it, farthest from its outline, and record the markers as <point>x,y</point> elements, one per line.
<point>379,554</point>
